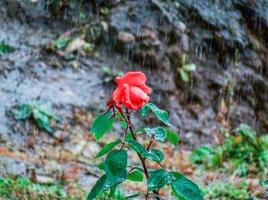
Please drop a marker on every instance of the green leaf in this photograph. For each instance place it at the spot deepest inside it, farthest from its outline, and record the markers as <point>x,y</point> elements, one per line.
<point>112,191</point>
<point>185,189</point>
<point>158,179</point>
<point>140,130</point>
<point>136,176</point>
<point>47,111</point>
<point>107,148</point>
<point>263,141</point>
<point>159,133</point>
<point>184,75</point>
<point>97,188</point>
<point>123,124</point>
<point>247,132</point>
<point>154,155</point>
<point>61,43</point>
<point>106,70</point>
<point>172,137</point>
<point>115,167</point>
<point>42,120</point>
<point>41,115</point>
<point>138,148</point>
<point>119,117</point>
<point>132,196</point>
<point>183,59</point>
<point>201,154</point>
<point>160,114</point>
<point>102,124</point>
<point>189,67</point>
<point>216,158</point>
<point>129,136</point>
<point>5,48</point>
<point>263,155</point>
<point>101,165</point>
<point>23,111</point>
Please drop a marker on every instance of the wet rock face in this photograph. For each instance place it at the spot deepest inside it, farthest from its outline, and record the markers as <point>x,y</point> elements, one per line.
<point>219,16</point>
<point>10,166</point>
<point>226,39</point>
<point>229,55</point>
<point>23,10</point>
<point>255,13</point>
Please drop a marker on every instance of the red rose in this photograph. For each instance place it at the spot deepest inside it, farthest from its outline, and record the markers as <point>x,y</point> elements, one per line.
<point>131,90</point>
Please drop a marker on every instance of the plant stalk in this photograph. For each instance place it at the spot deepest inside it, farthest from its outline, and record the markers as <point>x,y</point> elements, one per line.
<point>143,160</point>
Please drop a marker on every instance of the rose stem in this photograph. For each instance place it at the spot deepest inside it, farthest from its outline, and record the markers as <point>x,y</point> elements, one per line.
<point>140,157</point>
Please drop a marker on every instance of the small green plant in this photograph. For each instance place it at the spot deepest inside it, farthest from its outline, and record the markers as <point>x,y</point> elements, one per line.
<point>41,114</point>
<point>244,149</point>
<point>226,191</point>
<point>104,11</point>
<point>130,95</point>
<point>185,69</point>
<point>208,156</point>
<point>110,71</point>
<point>62,42</point>
<point>5,48</point>
<point>68,46</point>
<point>24,188</point>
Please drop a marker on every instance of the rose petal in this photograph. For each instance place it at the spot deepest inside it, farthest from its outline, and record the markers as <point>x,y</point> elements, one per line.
<point>132,90</point>
<point>133,79</point>
<point>117,95</point>
<point>126,99</point>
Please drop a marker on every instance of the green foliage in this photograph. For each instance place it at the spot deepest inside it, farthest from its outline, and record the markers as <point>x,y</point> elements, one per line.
<point>62,43</point>
<point>154,155</point>
<point>207,155</point>
<point>104,11</point>
<point>23,188</point>
<point>5,48</point>
<point>242,150</point>
<point>102,124</point>
<point>136,175</point>
<point>115,164</point>
<point>69,45</point>
<point>159,133</point>
<point>109,71</point>
<point>115,167</point>
<point>138,148</point>
<point>172,137</point>
<point>115,173</point>
<point>41,114</point>
<point>221,190</point>
<point>107,148</point>
<point>158,179</point>
<point>160,114</point>
<point>185,189</point>
<point>185,69</point>
<point>98,187</point>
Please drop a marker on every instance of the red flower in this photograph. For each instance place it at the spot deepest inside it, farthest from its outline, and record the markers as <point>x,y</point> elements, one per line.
<point>131,90</point>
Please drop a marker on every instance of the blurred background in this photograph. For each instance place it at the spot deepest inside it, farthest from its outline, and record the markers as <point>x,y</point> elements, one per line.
<point>206,61</point>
